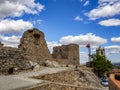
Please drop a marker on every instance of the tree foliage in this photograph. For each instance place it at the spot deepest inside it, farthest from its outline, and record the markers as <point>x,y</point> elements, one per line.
<point>101,65</point>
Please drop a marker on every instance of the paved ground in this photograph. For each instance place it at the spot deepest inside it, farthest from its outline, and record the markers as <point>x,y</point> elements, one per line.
<point>21,80</point>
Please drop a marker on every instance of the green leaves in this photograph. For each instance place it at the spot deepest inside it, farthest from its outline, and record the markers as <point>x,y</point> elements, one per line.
<point>101,65</point>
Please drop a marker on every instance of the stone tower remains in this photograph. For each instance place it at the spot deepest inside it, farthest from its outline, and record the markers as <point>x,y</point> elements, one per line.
<point>34,45</point>
<point>66,54</point>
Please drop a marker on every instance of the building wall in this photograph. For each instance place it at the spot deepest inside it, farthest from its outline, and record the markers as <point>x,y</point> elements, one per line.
<point>67,54</point>
<point>100,51</point>
<point>113,84</point>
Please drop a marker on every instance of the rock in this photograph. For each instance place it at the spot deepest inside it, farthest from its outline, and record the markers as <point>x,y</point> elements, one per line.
<point>49,63</point>
<point>34,45</point>
<point>86,76</point>
<point>34,66</point>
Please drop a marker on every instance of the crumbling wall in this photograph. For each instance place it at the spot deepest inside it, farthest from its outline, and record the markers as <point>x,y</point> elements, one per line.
<point>12,58</point>
<point>34,45</point>
<point>67,54</point>
<point>32,49</point>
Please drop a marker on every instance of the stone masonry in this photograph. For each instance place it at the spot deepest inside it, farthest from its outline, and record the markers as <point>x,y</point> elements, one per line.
<point>34,45</point>
<point>66,54</point>
<point>12,58</point>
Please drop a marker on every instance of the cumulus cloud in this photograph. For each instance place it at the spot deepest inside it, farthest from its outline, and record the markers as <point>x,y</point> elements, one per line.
<point>16,8</point>
<point>115,39</point>
<point>105,2</point>
<point>106,8</point>
<point>112,49</point>
<point>83,40</point>
<point>11,30</point>
<point>52,44</point>
<point>78,18</point>
<point>11,41</point>
<point>14,26</point>
<point>110,22</point>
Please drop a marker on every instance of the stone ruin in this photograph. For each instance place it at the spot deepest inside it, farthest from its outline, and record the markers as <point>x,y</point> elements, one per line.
<point>34,45</point>
<point>33,48</point>
<point>12,58</point>
<point>66,54</point>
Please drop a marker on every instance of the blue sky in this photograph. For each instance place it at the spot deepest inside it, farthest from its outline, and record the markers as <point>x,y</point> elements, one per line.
<point>64,21</point>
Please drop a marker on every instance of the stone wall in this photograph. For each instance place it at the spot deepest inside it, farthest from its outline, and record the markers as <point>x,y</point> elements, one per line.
<point>68,54</point>
<point>34,45</point>
<point>12,58</point>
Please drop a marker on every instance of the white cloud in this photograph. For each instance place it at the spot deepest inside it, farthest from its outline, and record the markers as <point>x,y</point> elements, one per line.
<point>15,8</point>
<point>52,44</point>
<point>11,41</point>
<point>106,8</point>
<point>113,53</point>
<point>104,2</point>
<point>83,40</point>
<point>86,3</point>
<point>78,18</point>
<point>110,22</point>
<point>83,57</point>
<point>112,49</point>
<point>36,22</point>
<point>12,26</point>
<point>115,39</point>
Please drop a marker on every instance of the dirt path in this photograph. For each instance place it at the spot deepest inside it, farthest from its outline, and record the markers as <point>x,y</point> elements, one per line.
<point>21,80</point>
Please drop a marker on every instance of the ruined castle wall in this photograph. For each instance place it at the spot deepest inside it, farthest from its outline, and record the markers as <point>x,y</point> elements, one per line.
<point>12,58</point>
<point>34,45</point>
<point>67,54</point>
<point>32,48</point>
<point>73,54</point>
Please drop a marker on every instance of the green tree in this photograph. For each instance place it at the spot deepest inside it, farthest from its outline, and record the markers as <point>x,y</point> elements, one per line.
<point>101,65</point>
